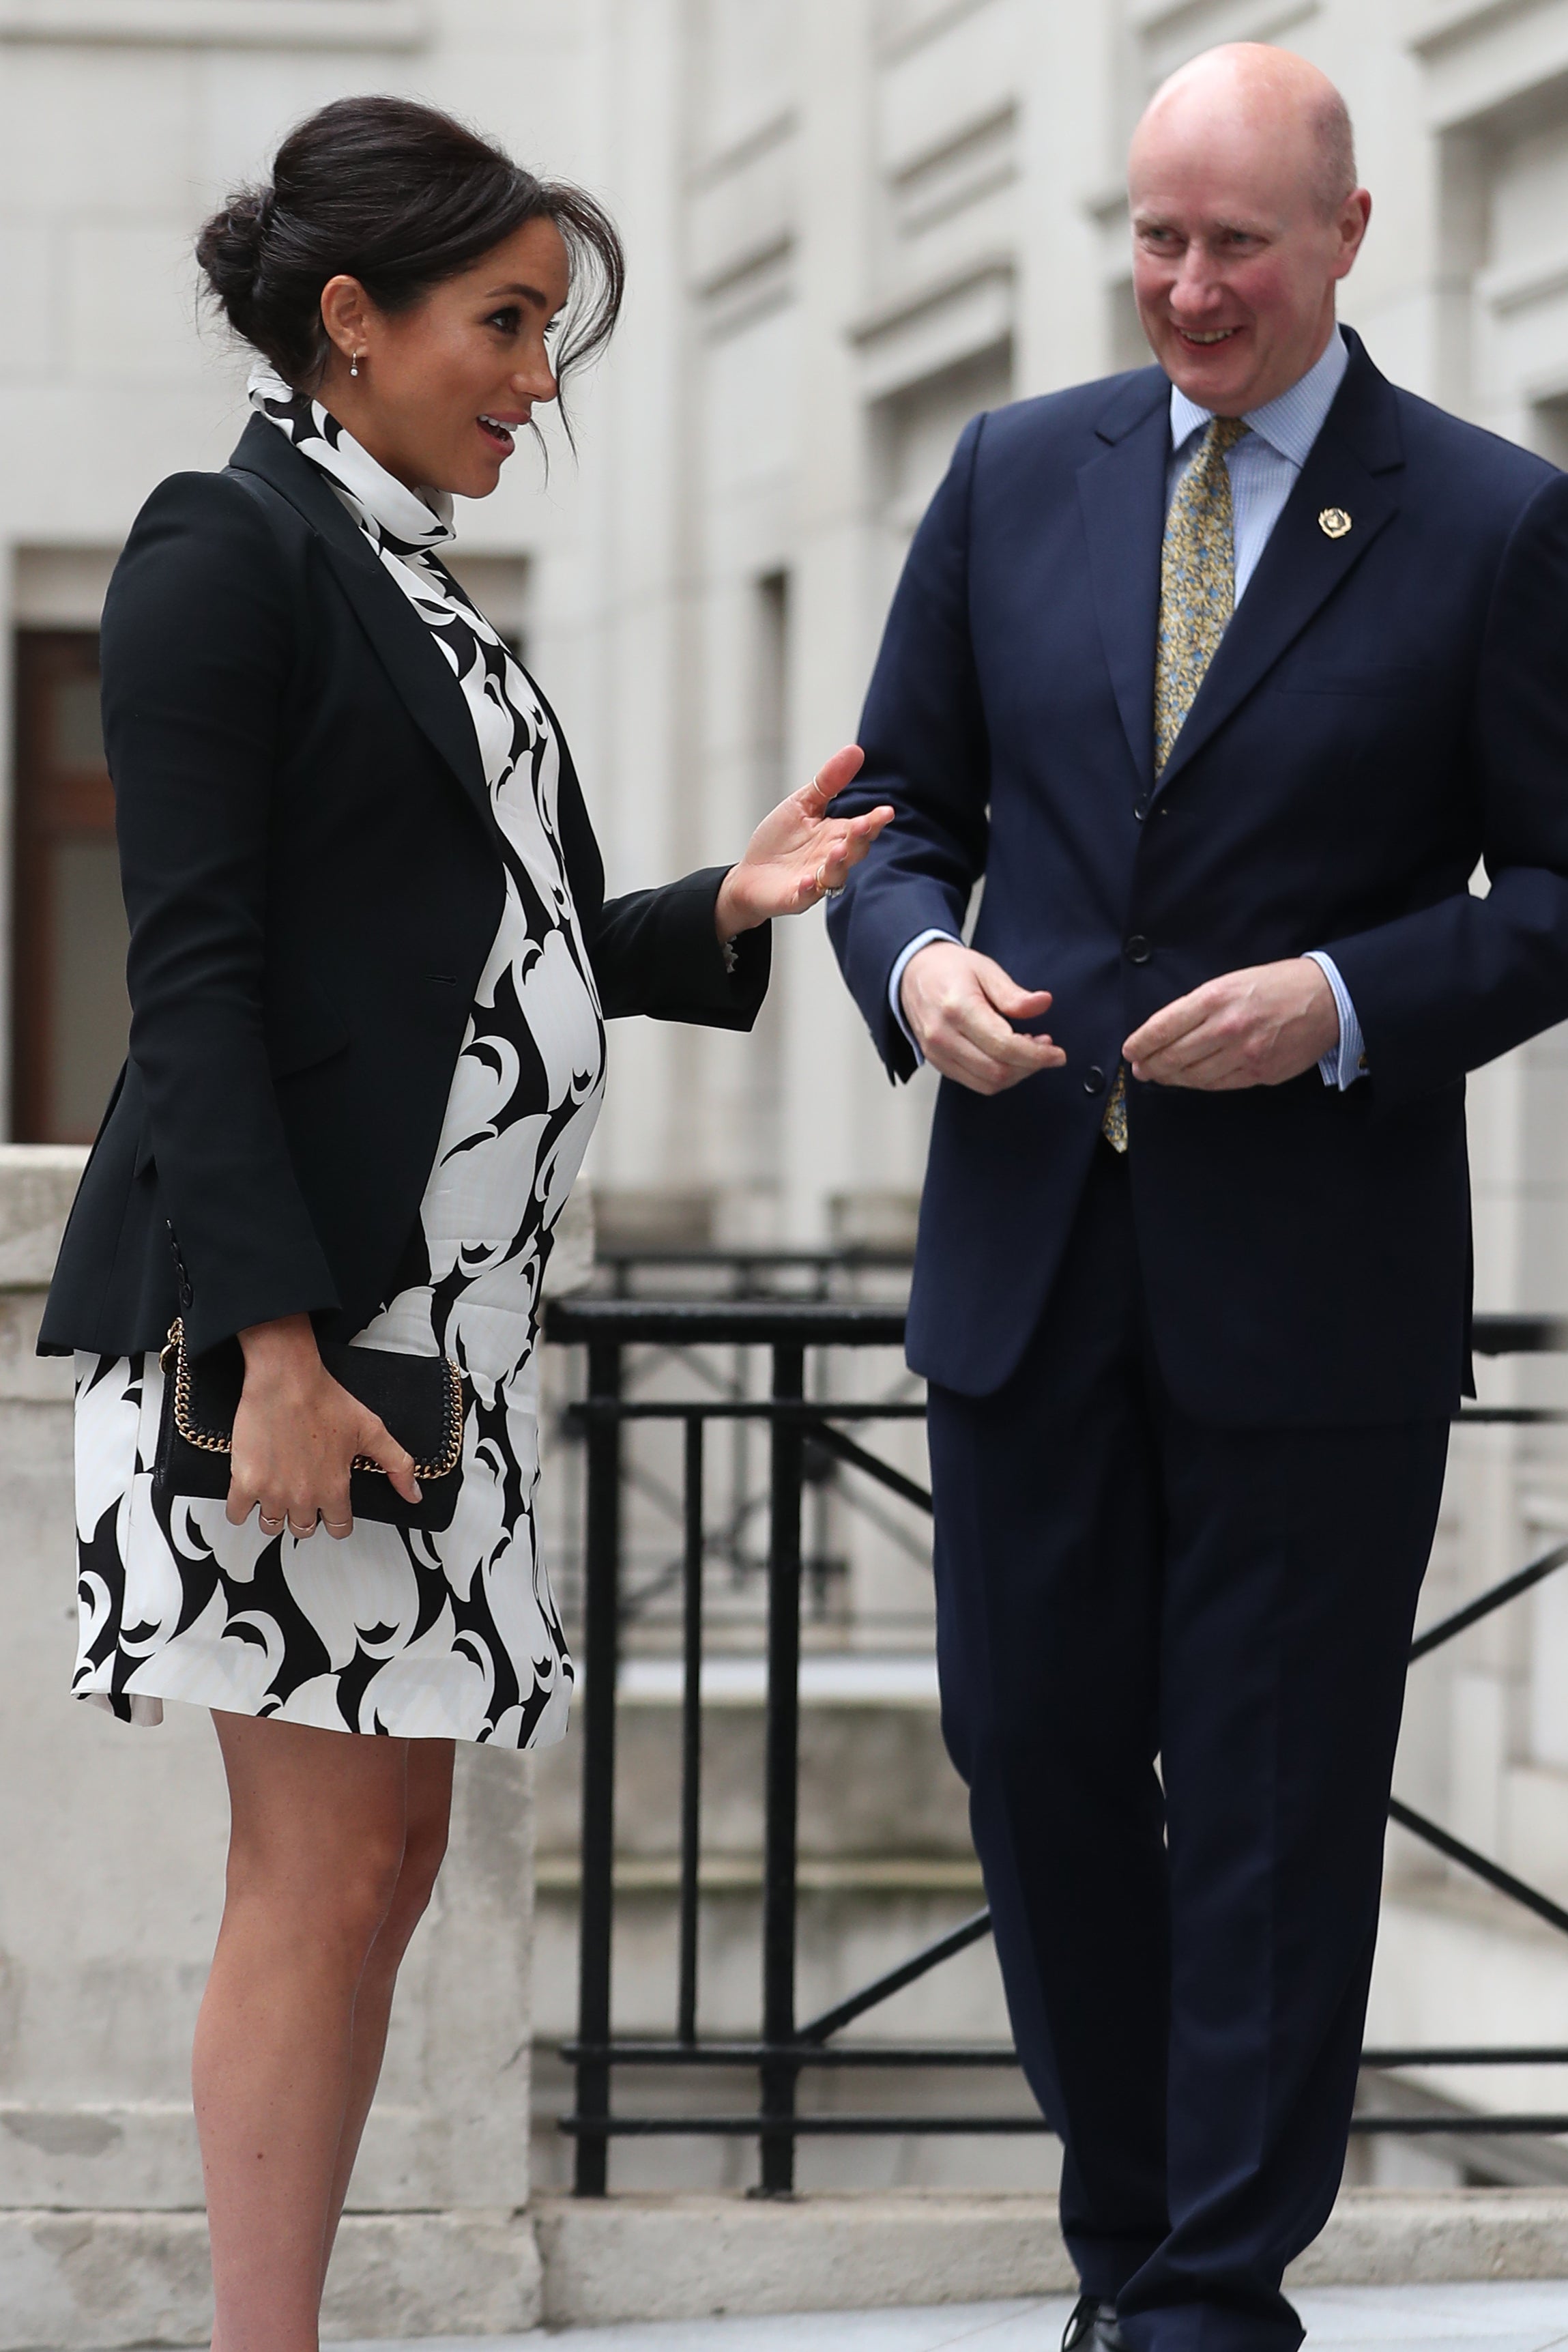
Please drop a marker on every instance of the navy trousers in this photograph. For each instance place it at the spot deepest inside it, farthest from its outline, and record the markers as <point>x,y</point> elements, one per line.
<point>1172,1661</point>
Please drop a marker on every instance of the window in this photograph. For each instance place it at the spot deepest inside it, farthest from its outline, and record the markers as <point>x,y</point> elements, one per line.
<point>72,1013</point>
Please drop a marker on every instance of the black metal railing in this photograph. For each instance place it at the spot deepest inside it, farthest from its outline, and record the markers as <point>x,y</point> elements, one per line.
<point>736,1533</point>
<point>828,1272</point>
<point>606,1326</point>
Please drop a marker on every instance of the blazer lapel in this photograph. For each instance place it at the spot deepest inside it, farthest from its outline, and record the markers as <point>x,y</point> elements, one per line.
<point>412,661</point>
<point>1121,493</point>
<point>1346,470</point>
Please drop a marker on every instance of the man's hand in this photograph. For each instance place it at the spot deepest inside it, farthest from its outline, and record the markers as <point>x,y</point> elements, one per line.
<point>961,1006</point>
<point>1253,1028</point>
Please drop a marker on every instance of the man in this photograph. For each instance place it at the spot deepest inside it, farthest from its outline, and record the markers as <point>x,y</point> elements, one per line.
<point>1223,674</point>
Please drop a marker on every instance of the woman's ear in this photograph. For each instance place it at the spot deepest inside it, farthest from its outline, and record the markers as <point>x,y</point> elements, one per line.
<point>345,314</point>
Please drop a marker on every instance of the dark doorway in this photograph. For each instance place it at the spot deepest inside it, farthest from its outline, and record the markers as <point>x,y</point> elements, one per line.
<point>70,1012</point>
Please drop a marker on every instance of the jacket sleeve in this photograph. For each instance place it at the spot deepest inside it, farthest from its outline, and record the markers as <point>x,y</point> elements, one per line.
<point>1441,990</point>
<point>198,647</point>
<point>657,952</point>
<point>923,734</point>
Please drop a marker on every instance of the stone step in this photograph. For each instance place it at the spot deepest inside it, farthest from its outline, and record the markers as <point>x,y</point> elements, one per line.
<point>874,1777</point>
<point>99,2282</point>
<point>678,2258</point>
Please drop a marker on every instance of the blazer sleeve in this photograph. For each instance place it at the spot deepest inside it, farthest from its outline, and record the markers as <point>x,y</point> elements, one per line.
<point>927,751</point>
<point>1445,989</point>
<point>657,952</point>
<point>197,649</point>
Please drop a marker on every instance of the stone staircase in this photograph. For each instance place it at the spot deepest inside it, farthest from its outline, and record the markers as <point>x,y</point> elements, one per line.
<point>887,1866</point>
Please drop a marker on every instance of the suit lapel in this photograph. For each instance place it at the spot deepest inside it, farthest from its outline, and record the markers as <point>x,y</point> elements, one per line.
<point>1121,493</point>
<point>412,661</point>
<point>1347,468</point>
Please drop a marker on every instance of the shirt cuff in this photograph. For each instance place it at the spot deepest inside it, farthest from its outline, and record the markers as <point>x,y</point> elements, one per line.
<point>1344,1063</point>
<point>921,939</point>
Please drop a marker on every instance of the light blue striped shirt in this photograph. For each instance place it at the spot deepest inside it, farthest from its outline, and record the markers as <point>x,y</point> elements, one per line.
<point>1264,467</point>
<point>1265,462</point>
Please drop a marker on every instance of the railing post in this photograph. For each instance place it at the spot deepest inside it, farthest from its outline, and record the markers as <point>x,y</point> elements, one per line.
<point>691,1731</point>
<point>782,1766</point>
<point>602,1644</point>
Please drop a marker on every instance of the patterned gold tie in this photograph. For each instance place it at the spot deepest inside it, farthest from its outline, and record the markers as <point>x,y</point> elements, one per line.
<point>1197,596</point>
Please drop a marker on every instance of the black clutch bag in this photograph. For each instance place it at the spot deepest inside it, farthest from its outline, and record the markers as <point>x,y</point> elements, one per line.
<point>422,1400</point>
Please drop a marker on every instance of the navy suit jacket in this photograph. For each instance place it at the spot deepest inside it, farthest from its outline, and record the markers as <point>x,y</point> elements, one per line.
<point>1386,710</point>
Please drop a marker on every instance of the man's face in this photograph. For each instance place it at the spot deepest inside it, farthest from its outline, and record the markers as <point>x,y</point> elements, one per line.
<point>1234,262</point>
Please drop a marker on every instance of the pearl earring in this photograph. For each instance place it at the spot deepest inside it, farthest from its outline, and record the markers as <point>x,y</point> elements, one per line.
<point>355,365</point>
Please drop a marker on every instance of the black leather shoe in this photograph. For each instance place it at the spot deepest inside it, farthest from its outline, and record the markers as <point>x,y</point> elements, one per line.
<point>1093,2328</point>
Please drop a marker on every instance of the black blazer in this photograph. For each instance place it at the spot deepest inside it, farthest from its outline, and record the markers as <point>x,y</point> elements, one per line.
<point>1388,707</point>
<point>313,879</point>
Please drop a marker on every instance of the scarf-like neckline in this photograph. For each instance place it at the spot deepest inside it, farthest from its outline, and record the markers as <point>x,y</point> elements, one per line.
<point>402,522</point>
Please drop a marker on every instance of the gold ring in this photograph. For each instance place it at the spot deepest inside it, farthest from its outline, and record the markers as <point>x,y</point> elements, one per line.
<point>337,1526</point>
<point>269,1527</point>
<point>301,1534</point>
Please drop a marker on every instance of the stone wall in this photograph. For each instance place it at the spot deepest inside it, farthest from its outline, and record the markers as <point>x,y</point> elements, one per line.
<point>111,1848</point>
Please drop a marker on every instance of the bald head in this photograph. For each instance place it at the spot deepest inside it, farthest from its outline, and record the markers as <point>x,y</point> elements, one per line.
<point>1246,213</point>
<point>1276,94</point>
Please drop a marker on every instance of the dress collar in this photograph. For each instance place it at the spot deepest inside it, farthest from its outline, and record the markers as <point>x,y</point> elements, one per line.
<point>405,522</point>
<point>1289,423</point>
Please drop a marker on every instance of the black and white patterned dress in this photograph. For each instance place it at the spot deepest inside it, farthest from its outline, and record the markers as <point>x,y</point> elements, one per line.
<point>453,1636</point>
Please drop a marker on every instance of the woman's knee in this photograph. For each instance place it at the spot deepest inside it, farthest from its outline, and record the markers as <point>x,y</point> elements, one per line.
<point>337,1892</point>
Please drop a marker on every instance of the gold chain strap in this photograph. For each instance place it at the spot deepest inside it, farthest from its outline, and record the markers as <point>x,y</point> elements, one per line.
<point>207,1441</point>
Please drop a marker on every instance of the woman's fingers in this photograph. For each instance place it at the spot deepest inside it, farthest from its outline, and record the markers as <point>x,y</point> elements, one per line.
<point>846,847</point>
<point>378,1442</point>
<point>833,775</point>
<point>242,1501</point>
<point>858,838</point>
<point>333,1507</point>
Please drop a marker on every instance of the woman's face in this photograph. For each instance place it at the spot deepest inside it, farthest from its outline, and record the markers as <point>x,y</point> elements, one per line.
<point>443,389</point>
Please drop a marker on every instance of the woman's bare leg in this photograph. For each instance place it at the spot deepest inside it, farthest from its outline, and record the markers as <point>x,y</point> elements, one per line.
<point>428,1817</point>
<point>316,1846</point>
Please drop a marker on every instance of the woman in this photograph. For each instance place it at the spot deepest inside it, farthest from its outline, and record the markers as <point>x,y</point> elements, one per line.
<point>369,955</point>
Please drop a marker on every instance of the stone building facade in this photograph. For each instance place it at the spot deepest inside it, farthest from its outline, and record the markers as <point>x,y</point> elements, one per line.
<point>851,224</point>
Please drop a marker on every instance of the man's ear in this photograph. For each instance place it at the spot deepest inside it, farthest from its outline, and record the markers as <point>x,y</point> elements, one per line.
<point>1353,217</point>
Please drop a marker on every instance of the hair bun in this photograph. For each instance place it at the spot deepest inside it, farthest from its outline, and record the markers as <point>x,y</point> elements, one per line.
<point>230,250</point>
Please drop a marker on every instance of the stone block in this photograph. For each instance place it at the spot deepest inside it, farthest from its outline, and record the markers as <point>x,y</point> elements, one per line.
<point>109,2279</point>
<point>700,2257</point>
<point>71,2281</point>
<point>674,2258</point>
<point>1401,2237</point>
<point>37,1185</point>
<point>460,2273</point>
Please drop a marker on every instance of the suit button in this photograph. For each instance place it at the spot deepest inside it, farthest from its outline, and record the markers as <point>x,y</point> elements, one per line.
<point>1140,807</point>
<point>1094,1080</point>
<point>1137,948</point>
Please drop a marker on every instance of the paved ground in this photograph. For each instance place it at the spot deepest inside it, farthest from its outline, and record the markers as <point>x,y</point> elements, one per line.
<point>1505,2317</point>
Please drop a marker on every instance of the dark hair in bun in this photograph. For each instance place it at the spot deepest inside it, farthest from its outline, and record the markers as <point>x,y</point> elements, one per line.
<point>399,197</point>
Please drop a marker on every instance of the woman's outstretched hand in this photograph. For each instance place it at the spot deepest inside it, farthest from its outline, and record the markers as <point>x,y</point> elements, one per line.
<point>799,853</point>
